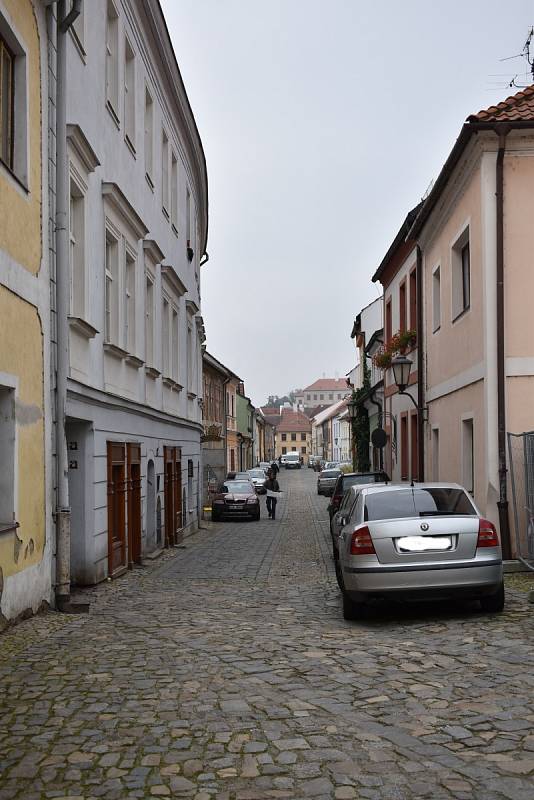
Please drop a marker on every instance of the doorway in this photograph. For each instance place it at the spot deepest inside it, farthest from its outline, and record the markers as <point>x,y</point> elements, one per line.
<point>116,492</point>
<point>172,457</point>
<point>134,504</point>
<point>151,543</point>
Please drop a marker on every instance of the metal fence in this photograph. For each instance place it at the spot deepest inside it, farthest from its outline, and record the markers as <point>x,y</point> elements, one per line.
<point>521,462</point>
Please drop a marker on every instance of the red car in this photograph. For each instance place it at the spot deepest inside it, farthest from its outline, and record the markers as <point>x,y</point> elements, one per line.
<point>235,499</point>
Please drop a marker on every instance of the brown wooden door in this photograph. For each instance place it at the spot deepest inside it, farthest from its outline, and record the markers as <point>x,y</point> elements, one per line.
<point>134,504</point>
<point>177,491</point>
<point>116,458</point>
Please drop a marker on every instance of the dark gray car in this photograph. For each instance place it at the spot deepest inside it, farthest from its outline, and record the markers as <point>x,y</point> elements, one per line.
<point>327,480</point>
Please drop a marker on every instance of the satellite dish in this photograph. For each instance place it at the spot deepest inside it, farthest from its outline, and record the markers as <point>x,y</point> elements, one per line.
<point>379,438</point>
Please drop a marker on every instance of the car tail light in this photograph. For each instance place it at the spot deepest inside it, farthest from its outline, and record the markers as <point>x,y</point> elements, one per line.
<point>361,543</point>
<point>487,534</point>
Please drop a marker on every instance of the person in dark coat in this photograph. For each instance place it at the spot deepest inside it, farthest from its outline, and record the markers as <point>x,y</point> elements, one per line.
<point>272,485</point>
<point>275,468</point>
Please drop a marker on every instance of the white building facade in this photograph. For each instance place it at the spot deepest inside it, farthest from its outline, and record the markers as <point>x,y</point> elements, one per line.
<point>138,230</point>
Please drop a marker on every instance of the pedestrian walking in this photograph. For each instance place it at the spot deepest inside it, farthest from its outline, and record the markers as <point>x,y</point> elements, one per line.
<point>275,468</point>
<point>280,460</point>
<point>272,485</point>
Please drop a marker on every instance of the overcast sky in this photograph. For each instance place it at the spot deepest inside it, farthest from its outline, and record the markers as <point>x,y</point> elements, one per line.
<point>323,123</point>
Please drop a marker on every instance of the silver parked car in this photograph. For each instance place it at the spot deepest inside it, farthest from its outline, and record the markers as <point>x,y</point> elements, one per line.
<point>326,481</point>
<point>258,478</point>
<point>423,541</point>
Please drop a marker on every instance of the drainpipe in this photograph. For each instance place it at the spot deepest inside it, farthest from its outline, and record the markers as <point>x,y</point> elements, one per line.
<point>62,301</point>
<point>378,404</point>
<point>502,504</point>
<point>420,363</point>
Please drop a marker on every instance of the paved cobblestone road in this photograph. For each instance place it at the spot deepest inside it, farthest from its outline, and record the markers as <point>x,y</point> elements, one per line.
<point>225,670</point>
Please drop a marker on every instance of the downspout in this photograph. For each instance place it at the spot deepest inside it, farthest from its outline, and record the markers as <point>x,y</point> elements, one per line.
<point>502,504</point>
<point>62,302</point>
<point>420,363</point>
<point>206,259</point>
<point>378,404</point>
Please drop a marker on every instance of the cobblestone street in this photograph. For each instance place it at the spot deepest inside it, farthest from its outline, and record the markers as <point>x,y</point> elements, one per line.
<point>225,670</point>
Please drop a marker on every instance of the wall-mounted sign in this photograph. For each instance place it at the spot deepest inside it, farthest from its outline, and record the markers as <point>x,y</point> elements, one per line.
<point>212,433</point>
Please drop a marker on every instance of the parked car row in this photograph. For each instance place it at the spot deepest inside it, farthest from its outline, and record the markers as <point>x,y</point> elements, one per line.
<point>237,497</point>
<point>412,541</point>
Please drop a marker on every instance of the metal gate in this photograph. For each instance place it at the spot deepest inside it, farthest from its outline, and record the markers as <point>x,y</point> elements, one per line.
<point>521,458</point>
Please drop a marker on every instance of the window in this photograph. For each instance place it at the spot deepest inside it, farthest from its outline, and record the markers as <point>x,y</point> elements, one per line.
<point>112,60</point>
<point>404,447</point>
<point>435,454</point>
<point>78,30</point>
<point>293,437</point>
<point>303,451</point>
<point>284,451</point>
<point>461,275</point>
<point>315,397</point>
<point>330,396</point>
<point>8,450</point>
<point>129,303</point>
<point>112,289</point>
<point>188,216</point>
<point>129,94</point>
<point>165,173</point>
<point>414,438</point>
<point>149,136</point>
<point>189,359</point>
<point>389,328</point>
<point>436,299</point>
<point>77,251</point>
<point>302,437</point>
<point>174,192</point>
<point>13,103</point>
<point>149,320</point>
<point>468,458</point>
<point>7,90</point>
<point>165,335</point>
<point>284,437</point>
<point>402,306</point>
<point>413,300</point>
<point>175,346</point>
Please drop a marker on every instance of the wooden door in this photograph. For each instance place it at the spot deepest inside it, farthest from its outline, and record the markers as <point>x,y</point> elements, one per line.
<point>116,461</point>
<point>134,504</point>
<point>177,491</point>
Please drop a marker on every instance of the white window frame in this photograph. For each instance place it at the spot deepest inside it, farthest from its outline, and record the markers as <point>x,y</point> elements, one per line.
<point>175,342</point>
<point>129,94</point>
<point>467,440</point>
<point>112,60</point>
<point>77,247</point>
<point>458,306</point>
<point>17,166</point>
<point>9,449</point>
<point>149,137</point>
<point>129,326</point>
<point>77,31</point>
<point>149,317</point>
<point>436,298</point>
<point>165,147</point>
<point>174,191</point>
<point>112,288</point>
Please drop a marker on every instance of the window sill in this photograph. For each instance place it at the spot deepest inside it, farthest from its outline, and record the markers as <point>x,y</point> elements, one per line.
<point>113,114</point>
<point>149,181</point>
<point>152,372</point>
<point>78,45</point>
<point>82,327</point>
<point>172,384</point>
<point>191,395</point>
<point>115,351</point>
<point>134,361</point>
<point>130,145</point>
<point>7,527</point>
<point>165,213</point>
<point>437,330</point>
<point>174,229</point>
<point>462,313</point>
<point>20,183</point>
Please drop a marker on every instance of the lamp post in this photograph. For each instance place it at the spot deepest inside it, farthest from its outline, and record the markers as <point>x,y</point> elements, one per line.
<point>352,411</point>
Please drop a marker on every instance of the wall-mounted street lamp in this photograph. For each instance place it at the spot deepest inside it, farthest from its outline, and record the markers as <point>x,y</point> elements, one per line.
<point>401,367</point>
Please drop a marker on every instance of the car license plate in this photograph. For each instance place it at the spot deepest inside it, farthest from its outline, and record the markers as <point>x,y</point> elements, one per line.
<point>421,544</point>
<point>235,508</point>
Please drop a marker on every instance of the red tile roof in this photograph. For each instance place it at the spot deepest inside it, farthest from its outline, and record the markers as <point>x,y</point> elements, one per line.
<point>518,106</point>
<point>327,385</point>
<point>293,422</point>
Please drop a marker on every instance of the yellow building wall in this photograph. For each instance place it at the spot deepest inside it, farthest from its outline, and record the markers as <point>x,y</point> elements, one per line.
<point>290,446</point>
<point>21,354</point>
<point>20,211</point>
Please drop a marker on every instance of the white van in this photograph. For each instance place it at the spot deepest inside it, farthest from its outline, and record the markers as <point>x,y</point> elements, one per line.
<point>291,460</point>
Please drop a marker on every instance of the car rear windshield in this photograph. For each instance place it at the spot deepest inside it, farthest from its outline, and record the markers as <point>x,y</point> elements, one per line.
<point>256,473</point>
<point>293,457</point>
<point>417,502</point>
<point>355,480</point>
<point>329,473</point>
<point>238,487</point>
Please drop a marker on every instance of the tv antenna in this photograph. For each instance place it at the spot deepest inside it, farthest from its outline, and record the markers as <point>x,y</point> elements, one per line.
<point>525,53</point>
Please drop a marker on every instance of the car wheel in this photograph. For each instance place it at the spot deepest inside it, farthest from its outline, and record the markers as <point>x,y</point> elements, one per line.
<point>493,603</point>
<point>351,610</point>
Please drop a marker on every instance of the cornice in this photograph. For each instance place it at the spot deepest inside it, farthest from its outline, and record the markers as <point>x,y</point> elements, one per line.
<point>168,272</point>
<point>80,144</point>
<point>150,246</point>
<point>115,196</point>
